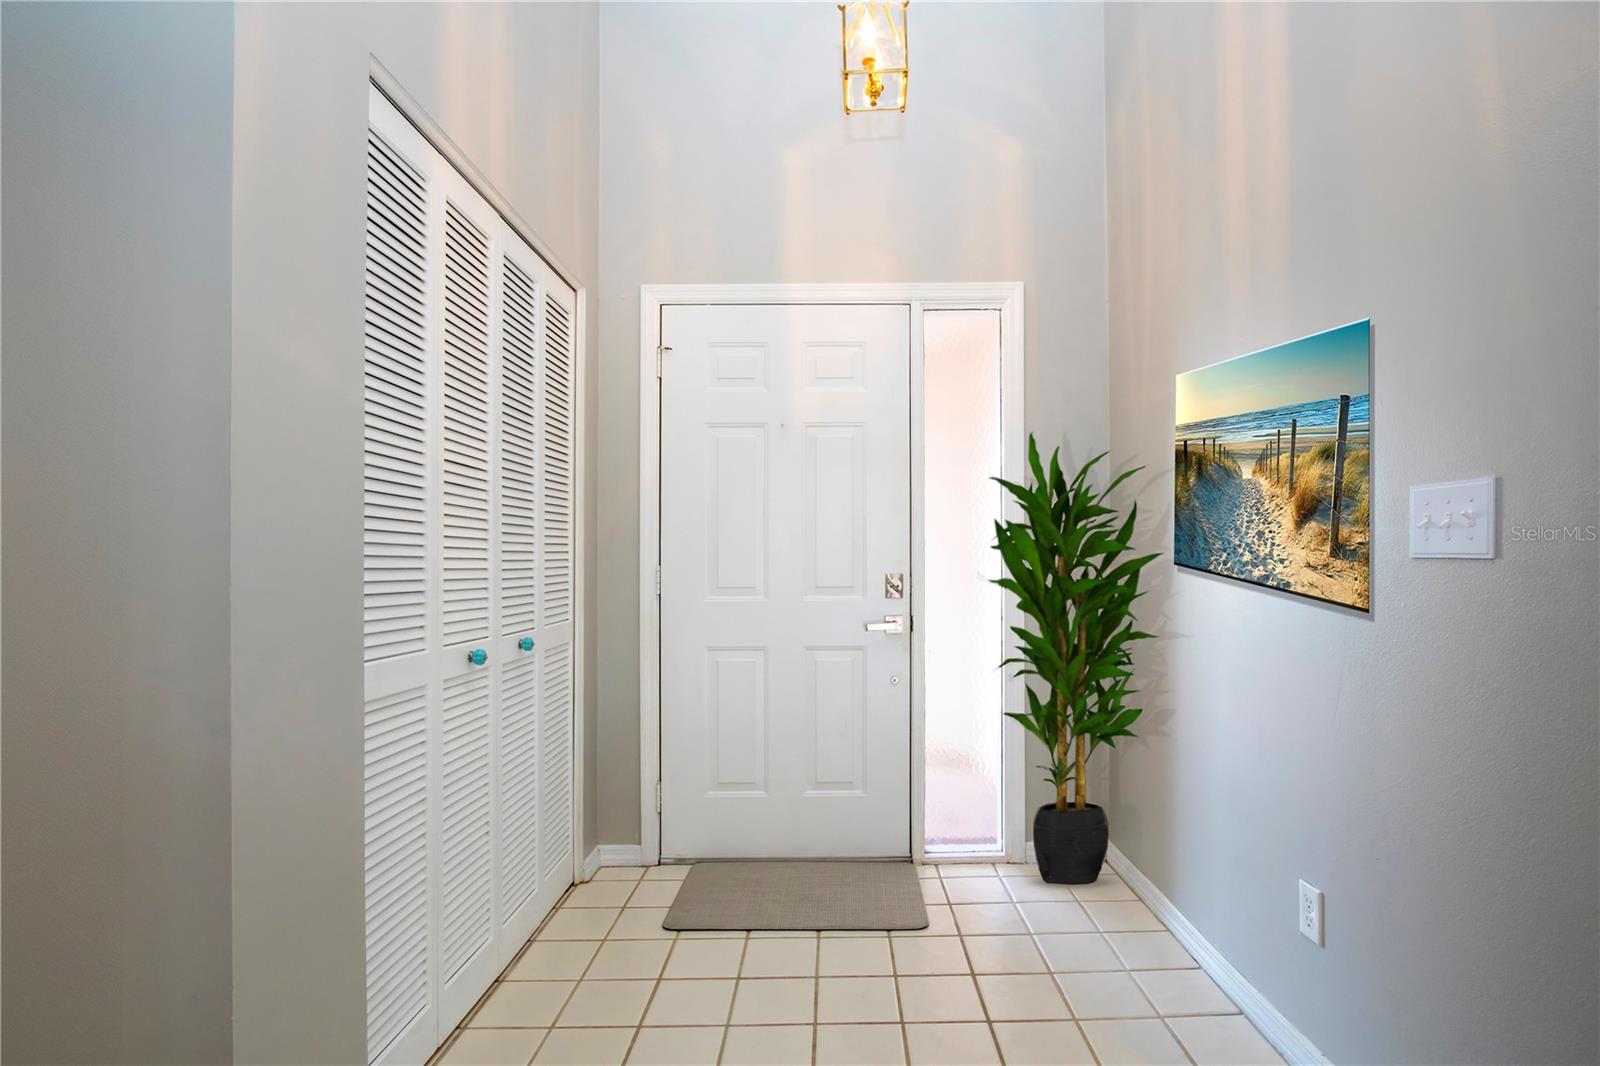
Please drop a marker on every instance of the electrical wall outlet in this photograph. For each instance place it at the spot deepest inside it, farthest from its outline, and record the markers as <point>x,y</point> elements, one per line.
<point>1311,913</point>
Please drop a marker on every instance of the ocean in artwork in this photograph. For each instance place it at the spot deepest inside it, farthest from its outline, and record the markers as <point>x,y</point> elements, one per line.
<point>1266,489</point>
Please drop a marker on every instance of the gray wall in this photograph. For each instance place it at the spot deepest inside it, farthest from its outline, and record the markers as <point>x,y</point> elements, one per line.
<point>735,163</point>
<point>1276,170</point>
<point>514,86</point>
<point>117,146</point>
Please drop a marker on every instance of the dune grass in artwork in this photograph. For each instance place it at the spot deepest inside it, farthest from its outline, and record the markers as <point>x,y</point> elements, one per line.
<point>1272,467</point>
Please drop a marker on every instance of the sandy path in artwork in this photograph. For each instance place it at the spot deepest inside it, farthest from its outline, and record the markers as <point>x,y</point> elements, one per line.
<point>1240,529</point>
<point>1237,532</point>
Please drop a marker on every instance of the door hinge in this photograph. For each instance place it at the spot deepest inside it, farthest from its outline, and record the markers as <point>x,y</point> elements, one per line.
<point>661,350</point>
<point>658,581</point>
<point>658,797</point>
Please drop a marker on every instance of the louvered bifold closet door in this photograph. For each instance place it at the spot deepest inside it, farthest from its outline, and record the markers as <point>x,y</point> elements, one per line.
<point>469,360</point>
<point>557,555</point>
<point>397,624</point>
<point>470,663</point>
<point>520,774</point>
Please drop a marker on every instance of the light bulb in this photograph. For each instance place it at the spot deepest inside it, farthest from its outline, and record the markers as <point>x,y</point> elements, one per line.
<point>867,38</point>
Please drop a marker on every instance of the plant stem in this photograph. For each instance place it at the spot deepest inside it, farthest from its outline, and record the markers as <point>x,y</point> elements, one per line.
<point>1081,788</point>
<point>1061,751</point>
<point>1082,796</point>
<point>1062,730</point>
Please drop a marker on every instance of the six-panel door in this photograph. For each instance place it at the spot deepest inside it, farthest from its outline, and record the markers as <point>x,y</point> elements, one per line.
<point>785,472</point>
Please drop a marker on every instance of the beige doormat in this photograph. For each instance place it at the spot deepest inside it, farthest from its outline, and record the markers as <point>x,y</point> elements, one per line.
<point>799,895</point>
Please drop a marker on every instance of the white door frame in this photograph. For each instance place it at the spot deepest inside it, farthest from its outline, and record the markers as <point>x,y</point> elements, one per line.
<point>435,135</point>
<point>1004,297</point>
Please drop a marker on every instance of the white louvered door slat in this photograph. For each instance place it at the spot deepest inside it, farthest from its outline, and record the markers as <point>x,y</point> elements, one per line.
<point>516,784</point>
<point>520,774</point>
<point>464,903</point>
<point>558,387</point>
<point>465,911</point>
<point>555,740</point>
<point>556,515</point>
<point>396,408</point>
<point>397,865</point>
<point>518,513</point>
<point>467,620</point>
<point>464,459</point>
<point>402,1014</point>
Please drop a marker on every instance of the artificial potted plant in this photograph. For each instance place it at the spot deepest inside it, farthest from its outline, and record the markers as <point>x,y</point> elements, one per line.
<point>1065,564</point>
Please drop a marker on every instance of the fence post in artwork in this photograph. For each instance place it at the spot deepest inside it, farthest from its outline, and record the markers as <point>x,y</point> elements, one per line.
<point>1186,457</point>
<point>1338,476</point>
<point>1294,424</point>
<point>1277,458</point>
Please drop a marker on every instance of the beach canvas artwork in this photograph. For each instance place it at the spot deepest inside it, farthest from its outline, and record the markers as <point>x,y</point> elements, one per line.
<point>1272,463</point>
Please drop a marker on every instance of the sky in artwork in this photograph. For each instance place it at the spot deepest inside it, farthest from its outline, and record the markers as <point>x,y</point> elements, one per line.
<point>1312,368</point>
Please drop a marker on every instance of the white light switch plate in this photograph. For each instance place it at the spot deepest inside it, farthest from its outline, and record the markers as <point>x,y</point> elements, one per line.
<point>1453,520</point>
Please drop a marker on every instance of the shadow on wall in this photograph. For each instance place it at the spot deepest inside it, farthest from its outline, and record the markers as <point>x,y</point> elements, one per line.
<point>1157,694</point>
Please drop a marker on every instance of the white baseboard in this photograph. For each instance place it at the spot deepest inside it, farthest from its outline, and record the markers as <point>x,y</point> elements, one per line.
<point>1291,1043</point>
<point>611,855</point>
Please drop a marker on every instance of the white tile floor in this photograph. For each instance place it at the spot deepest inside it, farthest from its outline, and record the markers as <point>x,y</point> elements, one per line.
<point>1010,970</point>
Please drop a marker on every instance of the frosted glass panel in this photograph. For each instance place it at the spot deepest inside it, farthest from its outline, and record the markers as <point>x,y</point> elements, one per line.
<point>965,636</point>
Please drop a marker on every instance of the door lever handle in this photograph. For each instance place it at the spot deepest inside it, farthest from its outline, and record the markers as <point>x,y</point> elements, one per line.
<point>892,623</point>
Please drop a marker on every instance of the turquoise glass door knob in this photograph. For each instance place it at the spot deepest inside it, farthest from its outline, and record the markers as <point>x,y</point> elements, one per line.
<point>526,643</point>
<point>477,656</point>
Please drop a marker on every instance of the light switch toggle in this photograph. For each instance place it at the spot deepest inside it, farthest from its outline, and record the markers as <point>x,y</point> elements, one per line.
<point>1453,519</point>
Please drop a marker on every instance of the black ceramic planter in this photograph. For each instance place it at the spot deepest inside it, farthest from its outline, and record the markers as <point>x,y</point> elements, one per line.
<point>1071,844</point>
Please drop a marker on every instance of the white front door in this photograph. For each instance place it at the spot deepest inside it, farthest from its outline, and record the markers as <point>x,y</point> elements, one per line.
<point>785,519</point>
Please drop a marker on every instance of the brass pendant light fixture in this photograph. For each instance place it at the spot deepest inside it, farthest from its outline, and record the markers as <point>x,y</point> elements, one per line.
<point>876,61</point>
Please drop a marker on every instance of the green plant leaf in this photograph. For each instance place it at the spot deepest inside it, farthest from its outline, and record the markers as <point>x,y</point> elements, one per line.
<point>1065,570</point>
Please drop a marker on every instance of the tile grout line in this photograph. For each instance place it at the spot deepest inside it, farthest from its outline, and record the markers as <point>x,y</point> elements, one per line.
<point>816,996</point>
<point>899,1006</point>
<point>1075,1021</point>
<point>1083,1034</point>
<point>499,980</point>
<point>574,990</point>
<point>1165,1025</point>
<point>983,1003</point>
<point>816,976</point>
<point>461,1026</point>
<point>733,996</point>
<point>1182,1047</point>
